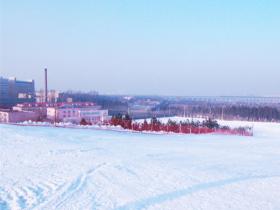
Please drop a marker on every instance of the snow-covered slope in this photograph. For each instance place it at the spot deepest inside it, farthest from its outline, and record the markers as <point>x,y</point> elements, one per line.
<point>59,168</point>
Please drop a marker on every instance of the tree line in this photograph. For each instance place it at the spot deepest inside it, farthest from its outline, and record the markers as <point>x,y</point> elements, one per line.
<point>225,111</point>
<point>186,126</point>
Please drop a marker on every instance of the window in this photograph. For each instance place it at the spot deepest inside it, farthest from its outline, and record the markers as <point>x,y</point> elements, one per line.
<point>22,95</point>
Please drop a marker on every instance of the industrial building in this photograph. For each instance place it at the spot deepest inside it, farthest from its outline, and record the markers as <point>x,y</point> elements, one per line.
<point>11,116</point>
<point>5,100</point>
<point>39,108</point>
<point>13,91</point>
<point>75,112</point>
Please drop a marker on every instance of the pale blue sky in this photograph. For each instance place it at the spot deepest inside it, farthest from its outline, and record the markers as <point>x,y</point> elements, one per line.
<point>175,47</point>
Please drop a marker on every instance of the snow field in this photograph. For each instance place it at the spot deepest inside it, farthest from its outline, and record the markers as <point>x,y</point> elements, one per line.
<point>60,168</point>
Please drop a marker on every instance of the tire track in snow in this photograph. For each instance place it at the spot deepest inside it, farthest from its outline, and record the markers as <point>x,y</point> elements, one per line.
<point>161,198</point>
<point>4,205</point>
<point>5,196</point>
<point>26,197</point>
<point>61,198</point>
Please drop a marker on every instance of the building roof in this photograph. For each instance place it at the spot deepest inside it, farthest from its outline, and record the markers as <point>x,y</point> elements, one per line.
<point>60,105</point>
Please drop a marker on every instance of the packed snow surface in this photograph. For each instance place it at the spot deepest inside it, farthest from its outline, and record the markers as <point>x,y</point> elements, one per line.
<point>62,168</point>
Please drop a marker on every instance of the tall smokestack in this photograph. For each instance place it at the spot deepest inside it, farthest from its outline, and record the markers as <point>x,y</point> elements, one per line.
<point>46,85</point>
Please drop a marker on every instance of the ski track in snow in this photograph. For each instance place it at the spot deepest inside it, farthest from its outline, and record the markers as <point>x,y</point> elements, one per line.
<point>52,168</point>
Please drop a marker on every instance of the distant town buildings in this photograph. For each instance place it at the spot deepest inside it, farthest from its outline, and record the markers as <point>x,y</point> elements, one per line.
<point>55,112</point>
<point>19,102</point>
<point>13,91</point>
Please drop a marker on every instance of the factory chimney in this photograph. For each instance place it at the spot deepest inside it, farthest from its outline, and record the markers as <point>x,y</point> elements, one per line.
<point>46,85</point>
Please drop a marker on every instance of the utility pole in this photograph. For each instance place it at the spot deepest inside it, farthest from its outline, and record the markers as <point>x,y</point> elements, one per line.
<point>128,111</point>
<point>169,110</point>
<point>180,128</point>
<point>55,113</point>
<point>46,85</point>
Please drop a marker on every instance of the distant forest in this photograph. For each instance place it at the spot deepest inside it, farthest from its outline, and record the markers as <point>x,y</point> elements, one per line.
<point>225,111</point>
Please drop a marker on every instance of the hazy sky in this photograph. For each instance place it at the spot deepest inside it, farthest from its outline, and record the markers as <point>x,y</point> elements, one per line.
<point>175,47</point>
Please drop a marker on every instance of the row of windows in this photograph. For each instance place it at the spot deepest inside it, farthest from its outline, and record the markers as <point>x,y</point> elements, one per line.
<point>69,111</point>
<point>67,115</point>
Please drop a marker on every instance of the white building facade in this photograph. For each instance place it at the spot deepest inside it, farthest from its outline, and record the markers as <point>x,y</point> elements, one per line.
<point>9,116</point>
<point>75,114</point>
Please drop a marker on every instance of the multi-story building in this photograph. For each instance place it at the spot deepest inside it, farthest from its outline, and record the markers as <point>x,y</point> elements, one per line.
<point>11,116</point>
<point>75,112</point>
<point>39,108</point>
<point>13,91</point>
<point>5,100</point>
